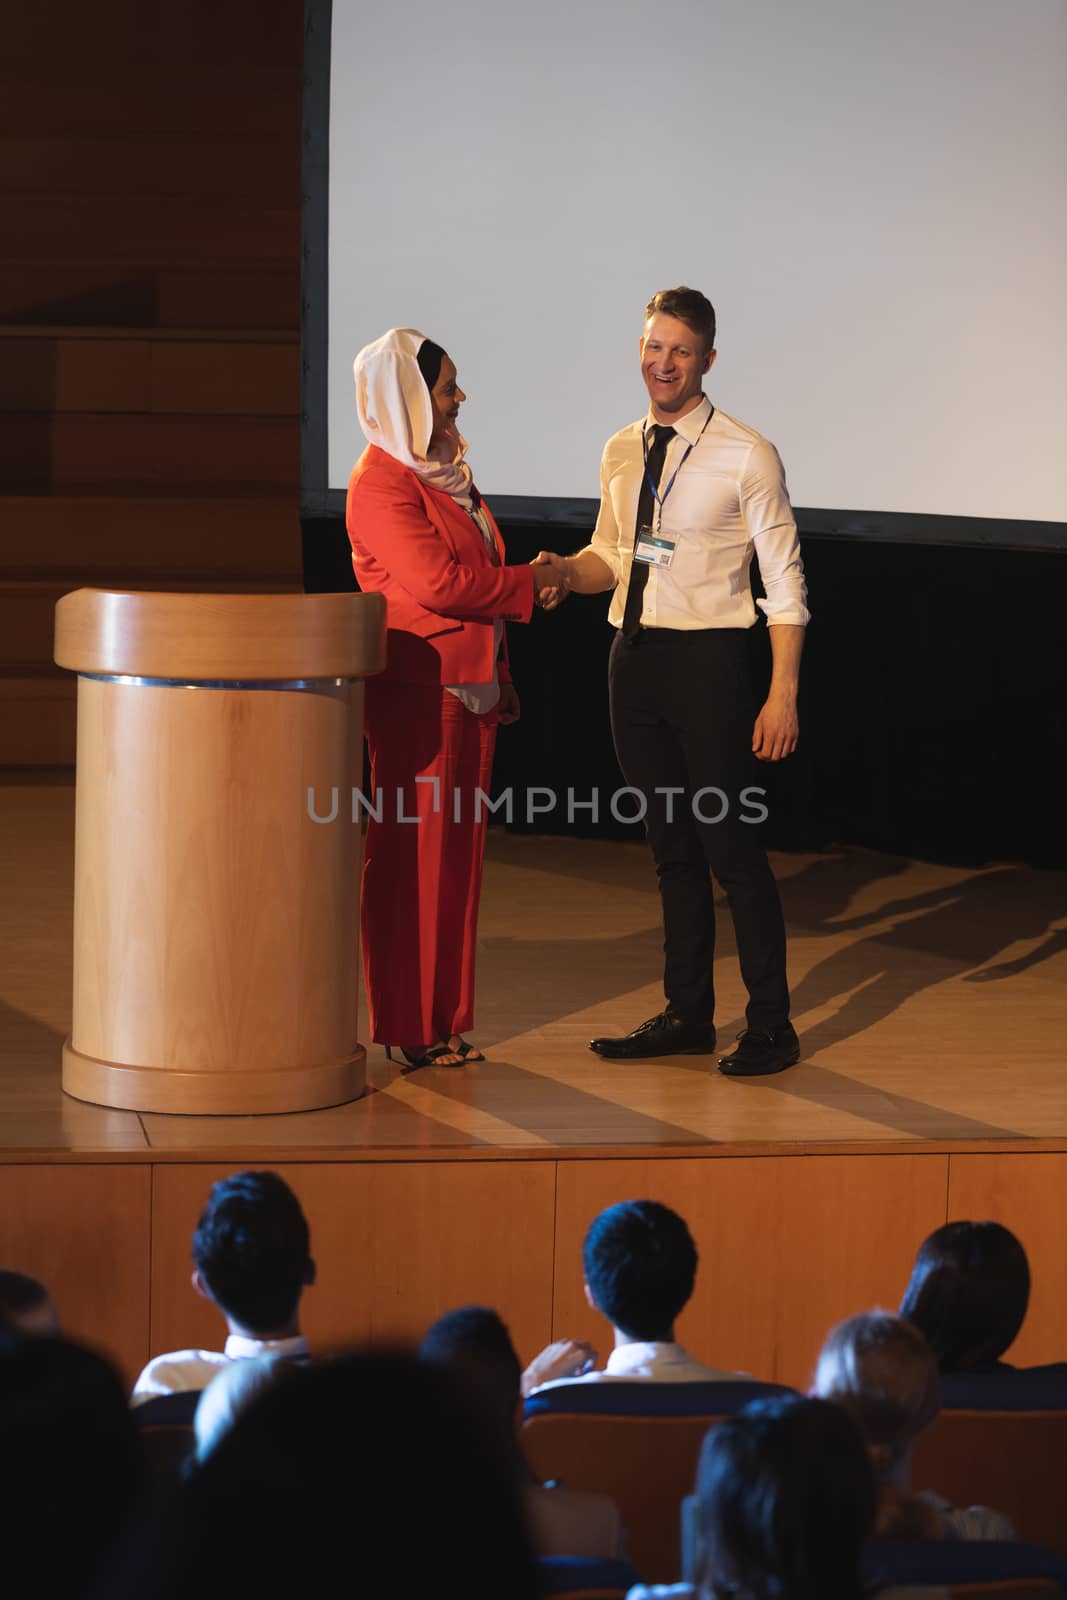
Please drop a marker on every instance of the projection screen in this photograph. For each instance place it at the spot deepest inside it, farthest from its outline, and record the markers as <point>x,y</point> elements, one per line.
<point>870,191</point>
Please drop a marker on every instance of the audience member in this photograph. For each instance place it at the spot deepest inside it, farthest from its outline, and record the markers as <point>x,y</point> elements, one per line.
<point>233,1387</point>
<point>251,1251</point>
<point>968,1294</point>
<point>372,1474</point>
<point>74,1467</point>
<point>26,1307</point>
<point>640,1266</point>
<point>785,1504</point>
<point>881,1370</point>
<point>474,1344</point>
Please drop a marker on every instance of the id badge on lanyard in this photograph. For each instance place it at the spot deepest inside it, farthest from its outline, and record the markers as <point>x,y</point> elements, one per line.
<point>653,546</point>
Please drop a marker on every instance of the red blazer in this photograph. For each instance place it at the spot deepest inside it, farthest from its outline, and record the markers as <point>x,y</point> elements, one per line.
<point>422,551</point>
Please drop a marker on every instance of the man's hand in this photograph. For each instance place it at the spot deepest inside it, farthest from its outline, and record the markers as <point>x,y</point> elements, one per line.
<point>567,1358</point>
<point>507,710</point>
<point>551,579</point>
<point>776,731</point>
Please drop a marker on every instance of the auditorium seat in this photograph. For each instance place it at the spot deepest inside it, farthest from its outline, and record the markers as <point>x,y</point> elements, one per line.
<point>166,1428</point>
<point>583,1578</point>
<point>637,1442</point>
<point>980,1567</point>
<point>1001,1441</point>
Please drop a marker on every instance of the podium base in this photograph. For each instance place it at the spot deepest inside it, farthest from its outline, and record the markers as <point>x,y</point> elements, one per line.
<point>213,1094</point>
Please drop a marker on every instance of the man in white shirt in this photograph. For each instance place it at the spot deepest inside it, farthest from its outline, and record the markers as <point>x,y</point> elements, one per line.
<point>640,1267</point>
<point>251,1254</point>
<point>688,496</point>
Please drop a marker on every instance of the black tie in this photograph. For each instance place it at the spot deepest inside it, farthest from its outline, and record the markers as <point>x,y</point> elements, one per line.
<point>660,436</point>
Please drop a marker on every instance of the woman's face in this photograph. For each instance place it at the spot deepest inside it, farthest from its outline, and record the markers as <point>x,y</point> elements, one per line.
<point>446,397</point>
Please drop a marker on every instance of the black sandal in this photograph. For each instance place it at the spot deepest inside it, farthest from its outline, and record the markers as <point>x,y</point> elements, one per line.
<point>466,1050</point>
<point>428,1057</point>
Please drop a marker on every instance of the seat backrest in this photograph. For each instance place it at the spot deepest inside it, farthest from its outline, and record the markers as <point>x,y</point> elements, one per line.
<point>981,1566</point>
<point>582,1578</point>
<point>165,1424</point>
<point>1007,1589</point>
<point>1014,1461</point>
<point>637,1442</point>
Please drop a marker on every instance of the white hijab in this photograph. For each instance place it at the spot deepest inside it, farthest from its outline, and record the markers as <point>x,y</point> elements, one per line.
<point>396,413</point>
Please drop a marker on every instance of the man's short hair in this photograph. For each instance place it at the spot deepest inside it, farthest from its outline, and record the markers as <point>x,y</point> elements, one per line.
<point>19,1294</point>
<point>252,1249</point>
<point>640,1264</point>
<point>690,307</point>
<point>474,1342</point>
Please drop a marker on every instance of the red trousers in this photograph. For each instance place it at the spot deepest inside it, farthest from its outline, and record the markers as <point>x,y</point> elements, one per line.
<point>422,877</point>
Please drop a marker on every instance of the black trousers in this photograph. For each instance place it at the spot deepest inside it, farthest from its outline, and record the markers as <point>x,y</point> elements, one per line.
<point>681,716</point>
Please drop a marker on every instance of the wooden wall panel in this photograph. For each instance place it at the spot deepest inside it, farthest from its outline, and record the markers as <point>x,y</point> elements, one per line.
<point>83,1231</point>
<point>102,373</point>
<point>396,1245</point>
<point>73,452</point>
<point>1028,1194</point>
<point>788,1245</point>
<point>136,541</point>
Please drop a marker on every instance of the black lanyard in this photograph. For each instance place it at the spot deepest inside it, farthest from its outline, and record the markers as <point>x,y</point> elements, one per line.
<point>661,499</point>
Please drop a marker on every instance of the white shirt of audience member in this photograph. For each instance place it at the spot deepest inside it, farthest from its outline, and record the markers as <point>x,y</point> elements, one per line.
<point>659,1362</point>
<point>180,1370</point>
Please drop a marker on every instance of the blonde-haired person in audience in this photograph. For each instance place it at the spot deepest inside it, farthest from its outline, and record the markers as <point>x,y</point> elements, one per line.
<point>881,1370</point>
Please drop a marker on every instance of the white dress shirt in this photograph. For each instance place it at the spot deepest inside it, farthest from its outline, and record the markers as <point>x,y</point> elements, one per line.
<point>728,502</point>
<point>658,1362</point>
<point>194,1369</point>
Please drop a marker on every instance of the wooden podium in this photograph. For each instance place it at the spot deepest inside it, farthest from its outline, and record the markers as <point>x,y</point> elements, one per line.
<point>216,905</point>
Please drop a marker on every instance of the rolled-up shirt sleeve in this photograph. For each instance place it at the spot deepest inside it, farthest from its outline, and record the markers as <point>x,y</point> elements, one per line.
<point>605,540</point>
<point>773,531</point>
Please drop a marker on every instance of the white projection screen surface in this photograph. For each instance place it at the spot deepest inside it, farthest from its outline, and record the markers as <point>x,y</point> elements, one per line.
<point>870,191</point>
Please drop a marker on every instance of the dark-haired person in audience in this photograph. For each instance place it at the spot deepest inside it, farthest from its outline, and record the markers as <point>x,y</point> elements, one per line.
<point>74,1472</point>
<point>474,1344</point>
<point>233,1387</point>
<point>369,1475</point>
<point>26,1307</point>
<point>252,1259</point>
<point>968,1294</point>
<point>785,1504</point>
<point>640,1267</point>
<point>881,1370</point>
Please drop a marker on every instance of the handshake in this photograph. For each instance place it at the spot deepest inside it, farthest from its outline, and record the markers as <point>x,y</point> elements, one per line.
<point>552,580</point>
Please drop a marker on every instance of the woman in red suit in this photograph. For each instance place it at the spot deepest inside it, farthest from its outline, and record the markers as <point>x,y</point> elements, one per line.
<point>422,535</point>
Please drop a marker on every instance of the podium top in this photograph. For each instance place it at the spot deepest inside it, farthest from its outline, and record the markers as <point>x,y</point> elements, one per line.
<point>243,638</point>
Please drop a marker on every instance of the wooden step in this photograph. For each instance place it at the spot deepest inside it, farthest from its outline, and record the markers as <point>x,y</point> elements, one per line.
<point>77,451</point>
<point>135,370</point>
<point>259,294</point>
<point>37,721</point>
<point>116,540</point>
<point>260,169</point>
<point>151,231</point>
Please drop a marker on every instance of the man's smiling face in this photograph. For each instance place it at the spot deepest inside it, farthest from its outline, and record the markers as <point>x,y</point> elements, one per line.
<point>673,363</point>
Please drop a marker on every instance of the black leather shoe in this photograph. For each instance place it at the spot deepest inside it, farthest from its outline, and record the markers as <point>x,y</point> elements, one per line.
<point>760,1053</point>
<point>663,1035</point>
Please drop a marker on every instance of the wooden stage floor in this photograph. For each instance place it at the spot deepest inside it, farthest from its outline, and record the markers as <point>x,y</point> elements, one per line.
<point>931,1003</point>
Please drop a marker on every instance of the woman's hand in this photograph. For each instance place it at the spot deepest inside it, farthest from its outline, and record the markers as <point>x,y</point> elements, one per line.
<point>551,579</point>
<point>507,705</point>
